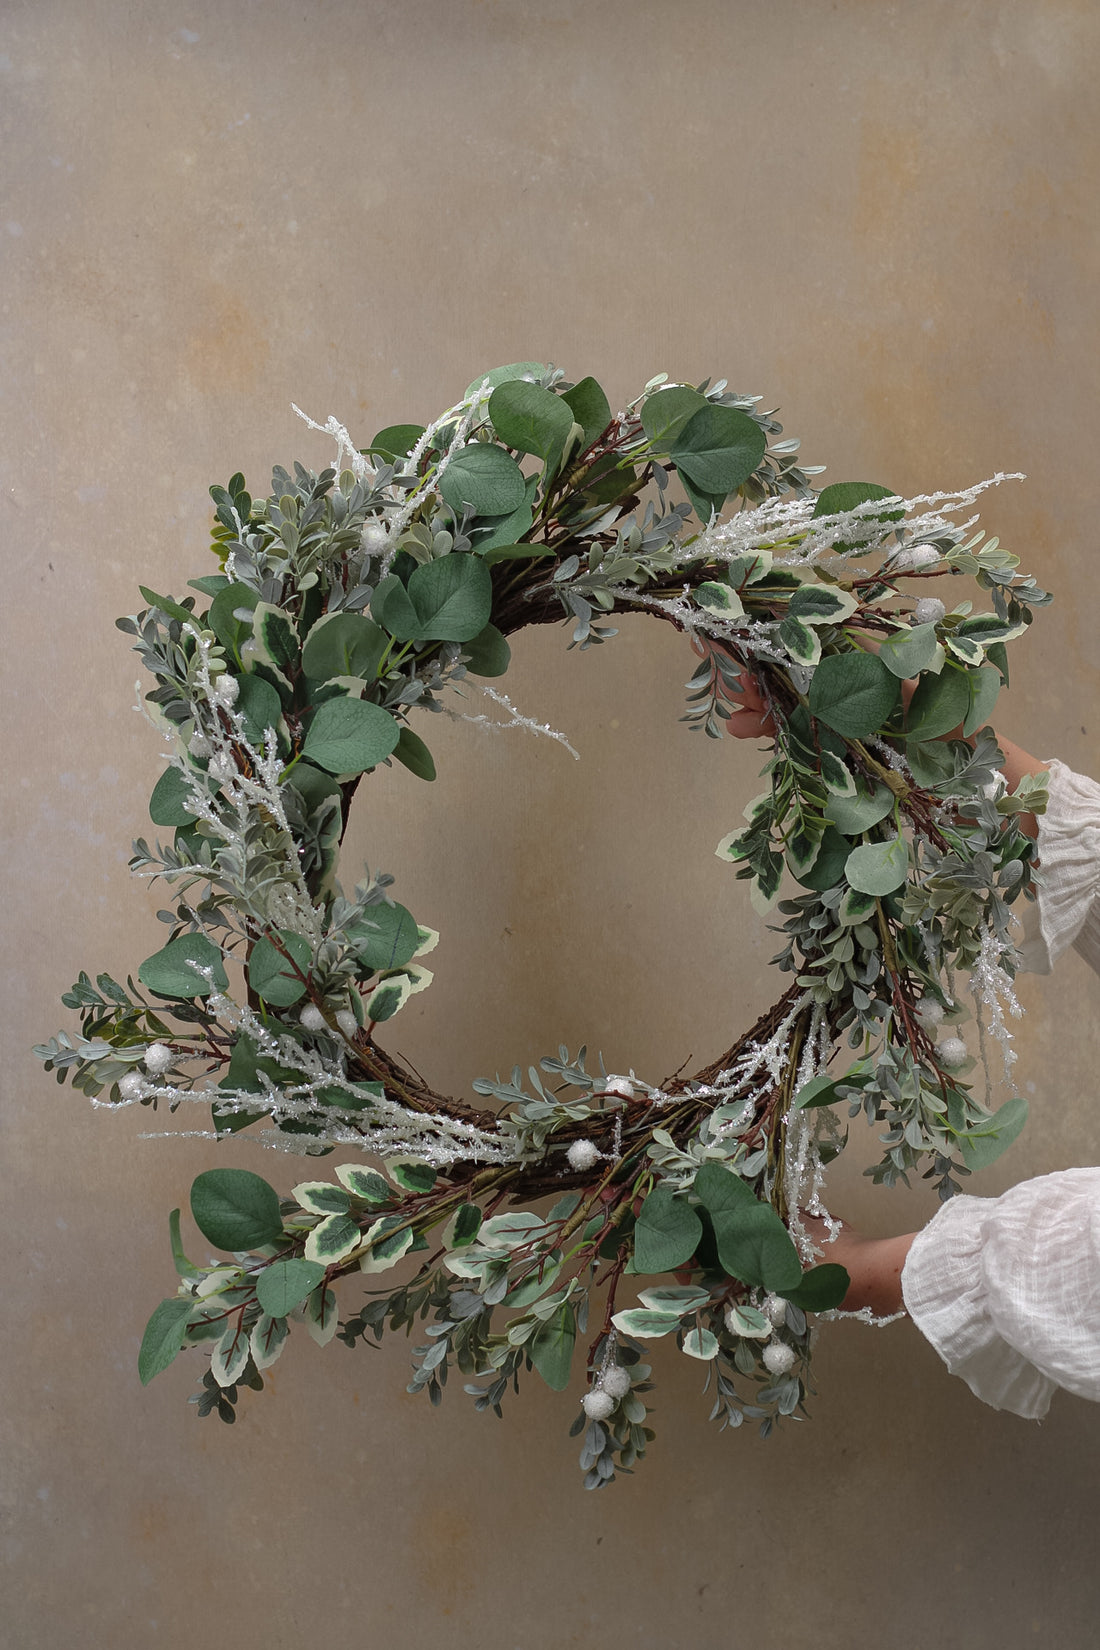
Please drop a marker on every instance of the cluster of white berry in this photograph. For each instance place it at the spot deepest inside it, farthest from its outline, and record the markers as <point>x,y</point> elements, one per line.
<point>611,1385</point>
<point>952,1052</point>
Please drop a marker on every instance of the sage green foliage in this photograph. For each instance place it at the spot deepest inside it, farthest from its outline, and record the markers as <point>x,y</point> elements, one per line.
<point>351,603</point>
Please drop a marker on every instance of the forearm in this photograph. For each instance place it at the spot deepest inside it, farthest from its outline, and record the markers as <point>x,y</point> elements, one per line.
<point>874,1266</point>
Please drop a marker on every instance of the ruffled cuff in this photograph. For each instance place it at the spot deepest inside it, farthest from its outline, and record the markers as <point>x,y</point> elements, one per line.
<point>944,1290</point>
<point>1068,908</point>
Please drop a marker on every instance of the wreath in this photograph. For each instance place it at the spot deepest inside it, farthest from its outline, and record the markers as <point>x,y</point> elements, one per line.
<point>353,602</point>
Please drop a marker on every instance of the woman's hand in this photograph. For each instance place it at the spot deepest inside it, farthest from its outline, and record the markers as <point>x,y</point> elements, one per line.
<point>751,719</point>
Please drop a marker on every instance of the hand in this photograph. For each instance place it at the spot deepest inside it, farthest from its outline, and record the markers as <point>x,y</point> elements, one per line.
<point>752,718</point>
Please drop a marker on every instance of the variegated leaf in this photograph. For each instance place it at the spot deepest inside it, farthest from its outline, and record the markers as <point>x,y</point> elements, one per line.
<point>267,1340</point>
<point>333,1240</point>
<point>321,1197</point>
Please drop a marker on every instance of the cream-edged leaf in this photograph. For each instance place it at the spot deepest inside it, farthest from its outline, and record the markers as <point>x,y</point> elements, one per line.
<point>321,1197</point>
<point>321,1317</point>
<point>269,1336</point>
<point>230,1354</point>
<point>333,1240</point>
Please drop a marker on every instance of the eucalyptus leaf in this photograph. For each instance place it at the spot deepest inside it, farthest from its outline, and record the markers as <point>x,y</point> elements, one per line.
<point>344,644</point>
<point>164,1336</point>
<point>529,418</point>
<point>985,685</point>
<point>939,704</point>
<point>821,1288</point>
<point>667,1232</point>
<point>285,1284</point>
<point>170,803</point>
<point>589,407</point>
<point>718,448</point>
<point>753,1243</point>
<point>878,868</point>
<point>235,1209</point>
<point>413,753</point>
<point>385,936</point>
<point>551,1347</point>
<point>908,652</point>
<point>271,975</point>
<point>483,478</point>
<point>854,694</point>
<point>190,966</point>
<point>855,814</point>
<point>348,736</point>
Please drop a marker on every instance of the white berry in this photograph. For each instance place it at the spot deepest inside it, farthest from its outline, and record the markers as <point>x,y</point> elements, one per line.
<point>929,1013</point>
<point>615,1381</point>
<point>778,1357</point>
<point>347,1022</point>
<point>621,1086</point>
<point>312,1018</point>
<point>375,536</point>
<point>919,555</point>
<point>775,1310</point>
<point>158,1057</point>
<point>133,1086</point>
<point>952,1052</point>
<point>582,1154</point>
<point>929,610</point>
<point>226,690</point>
<point>597,1404</point>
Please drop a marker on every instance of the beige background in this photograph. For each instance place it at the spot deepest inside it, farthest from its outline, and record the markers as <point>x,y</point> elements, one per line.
<point>879,216</point>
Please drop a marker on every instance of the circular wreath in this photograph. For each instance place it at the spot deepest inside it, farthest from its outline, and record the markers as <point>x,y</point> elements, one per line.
<point>347,605</point>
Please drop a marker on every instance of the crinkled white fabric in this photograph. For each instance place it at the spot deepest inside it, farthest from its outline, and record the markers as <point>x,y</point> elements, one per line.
<point>1007,1290</point>
<point>1067,911</point>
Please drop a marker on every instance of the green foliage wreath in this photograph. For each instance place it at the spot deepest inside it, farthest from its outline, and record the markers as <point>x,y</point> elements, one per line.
<point>346,606</point>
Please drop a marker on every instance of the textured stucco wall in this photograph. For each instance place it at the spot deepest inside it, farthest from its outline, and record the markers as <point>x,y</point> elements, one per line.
<point>882,218</point>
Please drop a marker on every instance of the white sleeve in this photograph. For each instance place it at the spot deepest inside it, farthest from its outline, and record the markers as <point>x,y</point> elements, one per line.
<point>1007,1290</point>
<point>1068,908</point>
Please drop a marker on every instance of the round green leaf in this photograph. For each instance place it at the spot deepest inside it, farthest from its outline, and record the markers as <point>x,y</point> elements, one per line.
<point>855,814</point>
<point>821,1288</point>
<point>908,652</point>
<point>260,706</point>
<point>985,685</point>
<point>452,598</point>
<point>667,1233</point>
<point>344,644</point>
<point>718,448</point>
<point>843,496</point>
<point>348,736</point>
<point>504,375</point>
<point>396,440</point>
<point>169,803</point>
<point>285,1284</point>
<point>590,408</point>
<point>413,753</point>
<point>939,704</point>
<point>489,653</point>
<point>878,868</point>
<point>485,479</point>
<point>551,1347</point>
<point>529,418</point>
<point>665,412</point>
<point>164,1336</point>
<point>235,1209</point>
<point>230,616</point>
<point>854,694</point>
<point>169,971</point>
<point>270,974</point>
<point>385,937</point>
